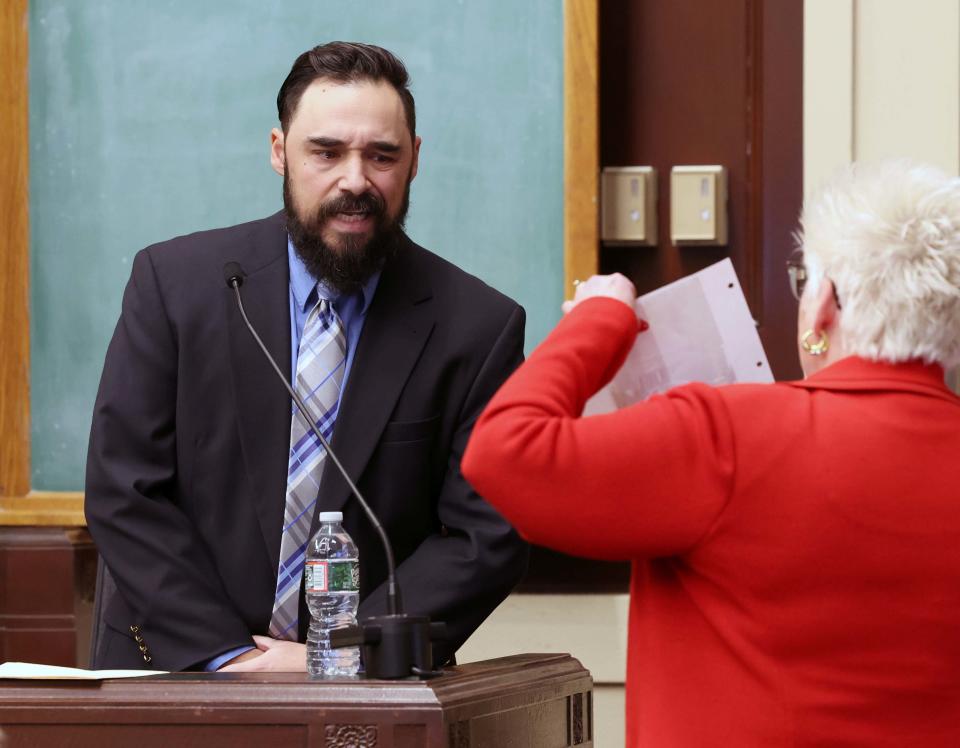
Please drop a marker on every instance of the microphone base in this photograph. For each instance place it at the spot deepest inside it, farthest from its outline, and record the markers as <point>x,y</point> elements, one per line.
<point>393,646</point>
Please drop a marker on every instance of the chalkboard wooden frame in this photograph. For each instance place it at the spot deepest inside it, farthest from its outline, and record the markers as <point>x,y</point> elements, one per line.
<point>581,141</point>
<point>14,257</point>
<point>19,505</point>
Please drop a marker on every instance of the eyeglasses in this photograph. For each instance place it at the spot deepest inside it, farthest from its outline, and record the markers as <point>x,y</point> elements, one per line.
<point>797,272</point>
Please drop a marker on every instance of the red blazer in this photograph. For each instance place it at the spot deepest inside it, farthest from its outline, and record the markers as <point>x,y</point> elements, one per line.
<point>796,546</point>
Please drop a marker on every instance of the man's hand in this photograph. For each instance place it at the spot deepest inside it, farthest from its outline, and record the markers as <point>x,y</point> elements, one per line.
<point>614,286</point>
<point>242,657</point>
<point>270,655</point>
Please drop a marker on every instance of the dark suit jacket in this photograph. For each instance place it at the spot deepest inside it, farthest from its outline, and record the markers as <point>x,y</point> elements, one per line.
<point>187,464</point>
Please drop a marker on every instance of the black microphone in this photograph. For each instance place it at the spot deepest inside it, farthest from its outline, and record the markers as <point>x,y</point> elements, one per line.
<point>396,645</point>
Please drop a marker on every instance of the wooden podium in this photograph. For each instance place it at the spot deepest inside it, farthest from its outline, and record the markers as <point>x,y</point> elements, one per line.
<point>524,700</point>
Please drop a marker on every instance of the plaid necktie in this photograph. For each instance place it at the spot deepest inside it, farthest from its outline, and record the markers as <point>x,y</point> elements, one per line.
<point>320,364</point>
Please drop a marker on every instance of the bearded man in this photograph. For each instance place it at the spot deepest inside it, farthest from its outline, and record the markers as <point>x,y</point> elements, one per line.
<point>203,483</point>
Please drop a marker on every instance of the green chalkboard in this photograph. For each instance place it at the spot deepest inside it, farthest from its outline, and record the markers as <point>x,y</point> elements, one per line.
<point>150,119</point>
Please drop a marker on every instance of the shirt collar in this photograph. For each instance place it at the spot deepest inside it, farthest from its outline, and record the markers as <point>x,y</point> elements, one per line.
<point>302,284</point>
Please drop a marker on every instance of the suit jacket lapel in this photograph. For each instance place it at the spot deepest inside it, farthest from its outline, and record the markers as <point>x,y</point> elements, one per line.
<point>398,323</point>
<point>262,404</point>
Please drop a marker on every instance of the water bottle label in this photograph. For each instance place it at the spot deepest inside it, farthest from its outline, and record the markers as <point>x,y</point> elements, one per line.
<point>339,576</point>
<point>315,576</point>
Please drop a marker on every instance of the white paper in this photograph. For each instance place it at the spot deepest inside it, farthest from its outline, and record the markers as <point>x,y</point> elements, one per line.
<point>32,671</point>
<point>700,331</point>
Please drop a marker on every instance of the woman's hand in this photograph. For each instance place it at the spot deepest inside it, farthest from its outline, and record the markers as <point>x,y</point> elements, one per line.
<point>614,286</point>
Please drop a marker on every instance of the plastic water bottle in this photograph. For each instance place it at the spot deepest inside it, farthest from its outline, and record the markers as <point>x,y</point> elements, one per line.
<point>332,583</point>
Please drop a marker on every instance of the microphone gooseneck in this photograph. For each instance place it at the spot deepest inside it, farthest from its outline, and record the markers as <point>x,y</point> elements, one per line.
<point>395,645</point>
<point>233,275</point>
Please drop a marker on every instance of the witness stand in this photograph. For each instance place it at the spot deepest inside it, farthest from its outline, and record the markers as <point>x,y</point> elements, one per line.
<point>523,700</point>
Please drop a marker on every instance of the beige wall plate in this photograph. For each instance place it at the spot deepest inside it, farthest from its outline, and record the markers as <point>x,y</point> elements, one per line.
<point>628,213</point>
<point>698,205</point>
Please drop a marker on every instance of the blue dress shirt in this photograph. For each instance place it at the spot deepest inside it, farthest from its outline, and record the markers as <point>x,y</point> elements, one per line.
<point>305,291</point>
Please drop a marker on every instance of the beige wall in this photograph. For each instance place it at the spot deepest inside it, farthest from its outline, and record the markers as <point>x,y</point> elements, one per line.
<point>881,79</point>
<point>592,628</point>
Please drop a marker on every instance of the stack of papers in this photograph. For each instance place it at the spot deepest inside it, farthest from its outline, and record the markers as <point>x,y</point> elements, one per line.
<point>700,331</point>
<point>31,671</point>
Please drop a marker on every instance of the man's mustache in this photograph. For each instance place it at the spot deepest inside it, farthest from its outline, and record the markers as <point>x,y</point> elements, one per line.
<point>364,203</point>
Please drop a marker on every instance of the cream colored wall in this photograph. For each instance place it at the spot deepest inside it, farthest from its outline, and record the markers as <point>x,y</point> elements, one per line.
<point>881,79</point>
<point>592,628</point>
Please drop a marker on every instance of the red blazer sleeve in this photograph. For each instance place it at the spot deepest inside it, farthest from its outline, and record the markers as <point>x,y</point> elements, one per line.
<point>648,480</point>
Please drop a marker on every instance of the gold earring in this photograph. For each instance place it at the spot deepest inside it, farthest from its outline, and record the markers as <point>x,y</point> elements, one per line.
<point>815,349</point>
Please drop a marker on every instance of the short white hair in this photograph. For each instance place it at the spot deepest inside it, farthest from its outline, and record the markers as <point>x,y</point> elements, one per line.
<point>888,236</point>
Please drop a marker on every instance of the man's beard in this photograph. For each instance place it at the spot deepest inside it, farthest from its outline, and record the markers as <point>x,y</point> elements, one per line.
<point>347,267</point>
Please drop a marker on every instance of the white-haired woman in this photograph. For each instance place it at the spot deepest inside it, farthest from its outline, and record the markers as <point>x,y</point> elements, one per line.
<point>796,546</point>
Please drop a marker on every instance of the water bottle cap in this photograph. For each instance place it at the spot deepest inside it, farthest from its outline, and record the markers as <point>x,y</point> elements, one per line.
<point>331,516</point>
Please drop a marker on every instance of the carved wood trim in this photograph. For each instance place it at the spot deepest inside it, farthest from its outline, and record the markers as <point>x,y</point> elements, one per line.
<point>351,736</point>
<point>577,732</point>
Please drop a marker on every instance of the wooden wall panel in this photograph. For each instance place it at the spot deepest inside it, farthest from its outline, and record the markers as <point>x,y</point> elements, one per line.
<point>688,82</point>
<point>673,91</point>
<point>779,179</point>
<point>47,578</point>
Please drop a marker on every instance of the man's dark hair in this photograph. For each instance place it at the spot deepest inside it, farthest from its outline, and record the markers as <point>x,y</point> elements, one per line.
<point>345,62</point>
